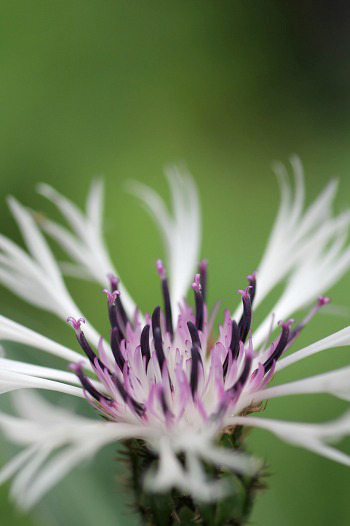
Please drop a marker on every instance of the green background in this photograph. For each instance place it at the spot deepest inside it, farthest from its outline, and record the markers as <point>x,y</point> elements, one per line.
<point>122,88</point>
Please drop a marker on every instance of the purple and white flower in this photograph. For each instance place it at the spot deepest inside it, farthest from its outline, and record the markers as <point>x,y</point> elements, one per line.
<point>168,377</point>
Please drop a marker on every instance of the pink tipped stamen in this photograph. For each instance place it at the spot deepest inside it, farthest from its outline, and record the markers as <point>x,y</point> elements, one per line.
<point>323,300</point>
<point>160,269</point>
<point>113,280</point>
<point>196,285</point>
<point>111,296</point>
<point>75,323</point>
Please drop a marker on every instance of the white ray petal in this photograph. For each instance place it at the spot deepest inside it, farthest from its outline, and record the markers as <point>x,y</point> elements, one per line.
<point>320,269</point>
<point>86,246</point>
<point>34,240</point>
<point>39,371</point>
<point>336,383</point>
<point>309,436</point>
<point>94,204</point>
<point>338,339</point>
<point>57,441</point>
<point>180,230</point>
<point>10,381</point>
<point>294,229</point>
<point>12,331</point>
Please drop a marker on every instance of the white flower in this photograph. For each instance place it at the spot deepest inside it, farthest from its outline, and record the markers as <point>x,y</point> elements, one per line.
<point>159,378</point>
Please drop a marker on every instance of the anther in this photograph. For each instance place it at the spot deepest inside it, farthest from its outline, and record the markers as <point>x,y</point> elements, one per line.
<point>194,334</point>
<point>144,342</point>
<point>166,297</point>
<point>281,345</point>
<point>157,337</point>
<point>246,318</point>
<point>196,363</point>
<point>203,270</point>
<point>197,288</point>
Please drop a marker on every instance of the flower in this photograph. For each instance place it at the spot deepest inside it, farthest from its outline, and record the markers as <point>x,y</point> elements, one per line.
<point>168,378</point>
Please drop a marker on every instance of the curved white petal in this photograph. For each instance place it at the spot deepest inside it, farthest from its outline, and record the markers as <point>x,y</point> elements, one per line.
<point>336,383</point>
<point>309,436</point>
<point>85,245</point>
<point>12,331</point>
<point>181,230</point>
<point>10,381</point>
<point>35,276</point>
<point>293,229</point>
<point>56,442</point>
<point>338,339</point>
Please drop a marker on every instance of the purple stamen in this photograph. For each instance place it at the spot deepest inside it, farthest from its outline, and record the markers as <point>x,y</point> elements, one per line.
<point>85,382</point>
<point>246,318</point>
<point>166,297</point>
<point>157,337</point>
<point>321,302</point>
<point>138,408</point>
<point>239,384</point>
<point>75,323</point>
<point>252,283</point>
<point>203,270</point>
<point>281,345</point>
<point>115,346</point>
<point>197,288</point>
<point>83,341</point>
<point>120,309</point>
<point>234,347</point>
<point>111,296</point>
<point>194,334</point>
<point>144,341</point>
<point>196,363</point>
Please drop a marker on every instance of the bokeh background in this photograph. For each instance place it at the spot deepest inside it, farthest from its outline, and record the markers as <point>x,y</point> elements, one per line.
<point>122,88</point>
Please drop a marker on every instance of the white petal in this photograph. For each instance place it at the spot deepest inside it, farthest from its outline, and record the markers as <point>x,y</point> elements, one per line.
<point>37,370</point>
<point>181,230</point>
<point>338,339</point>
<point>34,240</point>
<point>51,429</point>
<point>86,246</point>
<point>10,381</point>
<point>94,204</point>
<point>308,436</point>
<point>336,383</point>
<point>294,231</point>
<point>12,331</point>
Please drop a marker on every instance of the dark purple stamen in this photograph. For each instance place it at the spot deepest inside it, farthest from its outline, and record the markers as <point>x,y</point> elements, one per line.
<point>194,334</point>
<point>84,343</point>
<point>115,346</point>
<point>321,302</point>
<point>120,308</point>
<point>252,283</point>
<point>280,347</point>
<point>87,385</point>
<point>157,337</point>
<point>246,318</point>
<point>196,363</point>
<point>203,270</point>
<point>234,347</point>
<point>166,297</point>
<point>197,288</point>
<point>138,408</point>
<point>239,384</point>
<point>144,342</point>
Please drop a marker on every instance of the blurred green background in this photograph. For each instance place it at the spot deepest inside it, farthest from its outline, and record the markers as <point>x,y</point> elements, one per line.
<point>122,88</point>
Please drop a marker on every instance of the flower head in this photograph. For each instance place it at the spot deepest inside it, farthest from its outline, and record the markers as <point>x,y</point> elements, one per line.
<point>169,376</point>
